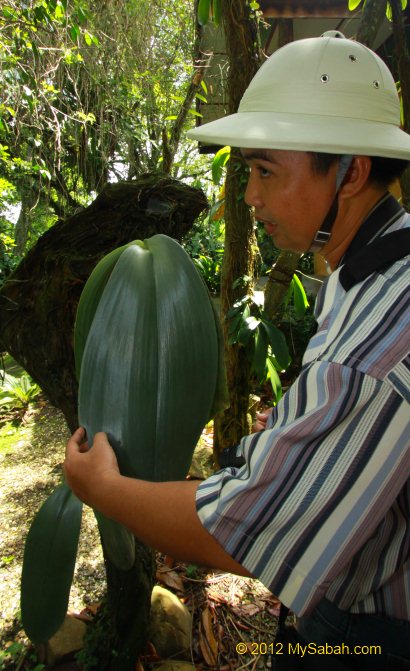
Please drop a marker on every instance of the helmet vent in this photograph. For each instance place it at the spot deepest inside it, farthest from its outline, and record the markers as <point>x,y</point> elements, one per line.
<point>324,79</point>
<point>353,58</point>
<point>376,84</point>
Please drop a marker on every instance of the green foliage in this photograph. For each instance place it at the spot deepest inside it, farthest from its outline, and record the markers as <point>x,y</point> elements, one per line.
<point>205,245</point>
<point>209,266</point>
<point>8,259</point>
<point>265,343</point>
<point>15,655</point>
<point>18,392</point>
<point>89,93</point>
<point>219,162</point>
<point>209,10</point>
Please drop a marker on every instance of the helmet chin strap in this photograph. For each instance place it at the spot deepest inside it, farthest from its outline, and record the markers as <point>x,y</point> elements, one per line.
<point>323,234</point>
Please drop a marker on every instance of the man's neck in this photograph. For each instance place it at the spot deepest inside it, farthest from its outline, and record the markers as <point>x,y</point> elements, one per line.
<point>351,215</point>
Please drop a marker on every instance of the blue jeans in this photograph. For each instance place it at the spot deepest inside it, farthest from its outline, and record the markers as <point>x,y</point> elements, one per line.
<point>383,643</point>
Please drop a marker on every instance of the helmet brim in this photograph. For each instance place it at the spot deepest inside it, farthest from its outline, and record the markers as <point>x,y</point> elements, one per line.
<point>302,132</point>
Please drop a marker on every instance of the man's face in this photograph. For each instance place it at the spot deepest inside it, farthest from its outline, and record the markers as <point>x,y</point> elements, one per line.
<point>289,198</point>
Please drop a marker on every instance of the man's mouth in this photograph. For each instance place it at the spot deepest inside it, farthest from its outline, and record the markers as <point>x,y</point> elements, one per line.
<point>270,226</point>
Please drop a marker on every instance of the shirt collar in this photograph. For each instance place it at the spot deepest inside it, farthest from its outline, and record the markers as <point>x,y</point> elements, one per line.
<point>386,211</point>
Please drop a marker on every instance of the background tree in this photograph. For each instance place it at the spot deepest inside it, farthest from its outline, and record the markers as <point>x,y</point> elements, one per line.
<point>90,97</point>
<point>240,29</point>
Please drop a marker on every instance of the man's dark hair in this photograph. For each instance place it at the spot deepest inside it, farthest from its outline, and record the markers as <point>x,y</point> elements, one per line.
<point>384,171</point>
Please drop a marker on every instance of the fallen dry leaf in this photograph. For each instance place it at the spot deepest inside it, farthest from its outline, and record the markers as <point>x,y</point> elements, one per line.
<point>246,609</point>
<point>207,640</point>
<point>170,579</point>
<point>88,613</point>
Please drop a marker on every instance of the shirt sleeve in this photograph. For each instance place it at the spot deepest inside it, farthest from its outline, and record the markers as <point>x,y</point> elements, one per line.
<point>315,486</point>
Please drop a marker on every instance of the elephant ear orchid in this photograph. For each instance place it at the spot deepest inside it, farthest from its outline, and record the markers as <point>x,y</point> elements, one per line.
<point>149,358</point>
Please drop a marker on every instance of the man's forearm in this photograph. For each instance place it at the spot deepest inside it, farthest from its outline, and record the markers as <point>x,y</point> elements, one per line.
<point>163,515</point>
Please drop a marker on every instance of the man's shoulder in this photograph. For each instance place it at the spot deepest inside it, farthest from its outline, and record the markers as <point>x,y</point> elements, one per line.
<point>367,327</point>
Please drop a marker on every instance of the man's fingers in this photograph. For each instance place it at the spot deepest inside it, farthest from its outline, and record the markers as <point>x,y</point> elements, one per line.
<point>100,438</point>
<point>75,443</point>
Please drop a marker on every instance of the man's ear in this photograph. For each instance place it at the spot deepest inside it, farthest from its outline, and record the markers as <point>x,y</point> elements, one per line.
<point>356,177</point>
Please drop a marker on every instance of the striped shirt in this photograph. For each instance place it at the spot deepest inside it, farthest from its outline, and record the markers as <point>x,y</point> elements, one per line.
<point>321,507</point>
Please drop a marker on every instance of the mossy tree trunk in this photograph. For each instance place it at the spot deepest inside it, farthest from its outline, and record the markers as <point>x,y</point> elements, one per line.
<point>38,301</point>
<point>240,242</point>
<point>37,310</point>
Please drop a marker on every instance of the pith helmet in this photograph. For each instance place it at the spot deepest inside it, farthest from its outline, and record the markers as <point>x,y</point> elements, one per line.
<point>326,94</point>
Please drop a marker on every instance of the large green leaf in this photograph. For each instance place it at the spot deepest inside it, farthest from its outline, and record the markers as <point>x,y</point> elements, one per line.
<point>118,542</point>
<point>120,364</point>
<point>48,565</point>
<point>150,366</point>
<point>152,372</point>
<point>188,357</point>
<point>221,396</point>
<point>89,300</point>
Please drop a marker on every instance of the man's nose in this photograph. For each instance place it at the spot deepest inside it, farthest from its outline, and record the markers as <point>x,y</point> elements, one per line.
<point>252,193</point>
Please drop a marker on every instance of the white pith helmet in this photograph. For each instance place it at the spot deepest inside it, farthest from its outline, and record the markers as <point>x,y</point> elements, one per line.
<point>325,94</point>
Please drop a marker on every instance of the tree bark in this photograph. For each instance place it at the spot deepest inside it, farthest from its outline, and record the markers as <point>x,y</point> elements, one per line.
<point>240,241</point>
<point>279,279</point>
<point>119,632</point>
<point>373,14</point>
<point>403,66</point>
<point>37,312</point>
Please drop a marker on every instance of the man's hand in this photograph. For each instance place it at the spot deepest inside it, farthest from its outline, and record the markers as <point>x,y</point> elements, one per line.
<point>88,470</point>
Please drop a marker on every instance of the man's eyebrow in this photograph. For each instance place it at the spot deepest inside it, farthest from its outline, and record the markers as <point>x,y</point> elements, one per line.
<point>263,154</point>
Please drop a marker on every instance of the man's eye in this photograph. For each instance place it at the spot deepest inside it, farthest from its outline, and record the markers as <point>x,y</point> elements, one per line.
<point>264,172</point>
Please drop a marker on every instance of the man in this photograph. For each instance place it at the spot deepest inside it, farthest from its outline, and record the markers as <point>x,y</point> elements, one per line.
<point>320,510</point>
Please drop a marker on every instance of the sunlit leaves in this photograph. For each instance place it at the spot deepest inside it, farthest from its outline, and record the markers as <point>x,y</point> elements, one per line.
<point>354,4</point>
<point>220,160</point>
<point>298,294</point>
<point>389,12</point>
<point>209,10</point>
<point>204,8</point>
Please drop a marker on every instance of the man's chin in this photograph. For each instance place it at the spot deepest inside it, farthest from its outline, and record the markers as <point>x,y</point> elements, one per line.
<point>285,245</point>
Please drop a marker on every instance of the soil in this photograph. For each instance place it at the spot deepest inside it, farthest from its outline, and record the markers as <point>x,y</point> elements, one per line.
<point>226,609</point>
